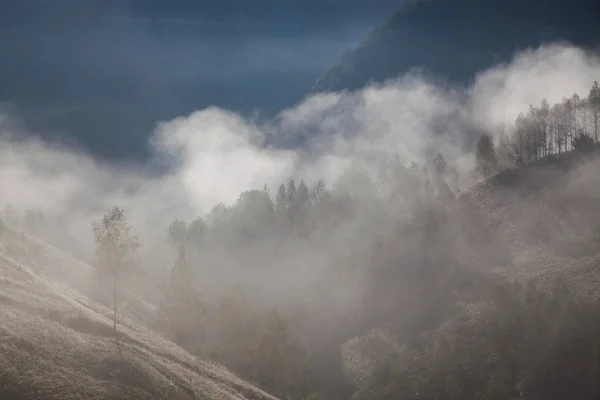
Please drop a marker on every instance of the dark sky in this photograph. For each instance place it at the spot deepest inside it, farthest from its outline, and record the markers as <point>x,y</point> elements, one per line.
<point>102,73</point>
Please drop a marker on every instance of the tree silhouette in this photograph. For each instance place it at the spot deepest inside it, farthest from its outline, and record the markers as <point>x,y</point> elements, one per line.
<point>485,156</point>
<point>116,251</point>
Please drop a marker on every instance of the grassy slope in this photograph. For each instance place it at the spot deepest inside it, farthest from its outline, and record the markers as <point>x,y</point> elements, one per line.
<point>57,344</point>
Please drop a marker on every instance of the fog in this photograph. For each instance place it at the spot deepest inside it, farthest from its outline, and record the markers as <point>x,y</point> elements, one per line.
<point>212,155</point>
<point>215,154</point>
<point>333,280</point>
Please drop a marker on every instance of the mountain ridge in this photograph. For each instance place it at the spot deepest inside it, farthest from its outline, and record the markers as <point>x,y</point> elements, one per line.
<point>455,39</point>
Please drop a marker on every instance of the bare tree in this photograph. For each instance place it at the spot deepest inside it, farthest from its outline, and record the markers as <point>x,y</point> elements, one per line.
<point>594,102</point>
<point>507,152</point>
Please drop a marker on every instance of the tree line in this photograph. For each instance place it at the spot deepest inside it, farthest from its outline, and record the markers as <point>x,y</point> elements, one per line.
<point>545,130</point>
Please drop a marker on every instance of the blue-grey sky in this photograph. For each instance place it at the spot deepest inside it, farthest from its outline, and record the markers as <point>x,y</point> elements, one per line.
<point>102,73</point>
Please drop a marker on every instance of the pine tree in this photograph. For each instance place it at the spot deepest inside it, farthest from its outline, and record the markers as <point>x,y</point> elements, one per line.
<point>303,194</point>
<point>292,202</point>
<point>281,201</point>
<point>301,207</point>
<point>291,192</point>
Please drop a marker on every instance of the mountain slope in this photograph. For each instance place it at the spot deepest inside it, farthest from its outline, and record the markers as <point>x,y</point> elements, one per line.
<point>454,39</point>
<point>545,214</point>
<point>57,344</point>
<point>530,332</point>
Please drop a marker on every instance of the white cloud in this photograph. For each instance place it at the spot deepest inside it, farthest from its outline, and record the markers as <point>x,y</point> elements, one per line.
<point>552,72</point>
<point>216,154</point>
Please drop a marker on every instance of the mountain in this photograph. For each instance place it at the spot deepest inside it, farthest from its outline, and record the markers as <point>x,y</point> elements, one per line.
<point>453,39</point>
<point>57,344</point>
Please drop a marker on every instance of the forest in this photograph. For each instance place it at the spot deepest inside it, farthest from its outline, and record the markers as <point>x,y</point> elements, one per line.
<point>379,286</point>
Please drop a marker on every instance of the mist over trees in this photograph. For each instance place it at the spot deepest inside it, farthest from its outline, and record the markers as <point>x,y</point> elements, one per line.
<point>375,286</point>
<point>550,130</point>
<point>397,250</point>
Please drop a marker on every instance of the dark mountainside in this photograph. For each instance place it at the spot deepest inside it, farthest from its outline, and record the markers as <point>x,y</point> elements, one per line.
<point>454,39</point>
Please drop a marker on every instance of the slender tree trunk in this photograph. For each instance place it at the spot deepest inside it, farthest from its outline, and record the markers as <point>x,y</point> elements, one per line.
<point>115,301</point>
<point>595,111</point>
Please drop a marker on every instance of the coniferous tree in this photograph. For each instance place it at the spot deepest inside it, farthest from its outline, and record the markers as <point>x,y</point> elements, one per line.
<point>291,191</point>
<point>292,205</point>
<point>303,194</point>
<point>302,205</point>
<point>281,200</point>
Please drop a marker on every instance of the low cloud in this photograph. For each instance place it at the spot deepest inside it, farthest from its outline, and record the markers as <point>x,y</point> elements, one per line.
<point>551,72</point>
<point>215,154</point>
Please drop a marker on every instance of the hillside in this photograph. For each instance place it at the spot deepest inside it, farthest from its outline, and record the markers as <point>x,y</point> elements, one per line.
<point>544,215</point>
<point>532,332</point>
<point>454,39</point>
<point>57,344</point>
